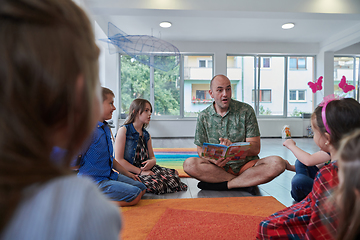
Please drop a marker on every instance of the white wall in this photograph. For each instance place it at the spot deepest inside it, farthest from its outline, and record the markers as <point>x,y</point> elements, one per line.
<point>108,70</point>
<point>186,127</point>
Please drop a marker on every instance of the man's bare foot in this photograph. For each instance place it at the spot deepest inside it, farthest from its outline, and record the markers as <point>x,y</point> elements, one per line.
<point>289,166</point>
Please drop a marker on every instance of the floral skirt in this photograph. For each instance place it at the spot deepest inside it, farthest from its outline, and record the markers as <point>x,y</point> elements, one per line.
<point>165,180</point>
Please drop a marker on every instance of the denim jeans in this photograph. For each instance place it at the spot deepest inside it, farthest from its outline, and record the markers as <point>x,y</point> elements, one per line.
<point>302,182</point>
<point>122,189</point>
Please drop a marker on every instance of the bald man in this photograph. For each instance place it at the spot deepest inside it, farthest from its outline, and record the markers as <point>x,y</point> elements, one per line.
<point>227,121</point>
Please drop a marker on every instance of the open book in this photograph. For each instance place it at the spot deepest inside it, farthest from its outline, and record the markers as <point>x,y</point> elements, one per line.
<point>236,150</point>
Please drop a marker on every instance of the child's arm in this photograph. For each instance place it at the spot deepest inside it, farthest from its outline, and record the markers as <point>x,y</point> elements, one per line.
<point>117,166</point>
<point>304,157</point>
<point>119,152</point>
<point>152,160</point>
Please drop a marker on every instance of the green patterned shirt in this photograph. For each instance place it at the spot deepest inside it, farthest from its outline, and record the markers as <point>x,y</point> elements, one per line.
<point>237,124</point>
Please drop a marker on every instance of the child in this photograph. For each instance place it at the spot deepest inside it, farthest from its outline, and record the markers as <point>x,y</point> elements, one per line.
<point>48,97</point>
<point>98,162</point>
<point>331,121</point>
<point>306,169</point>
<point>134,151</point>
<point>346,198</point>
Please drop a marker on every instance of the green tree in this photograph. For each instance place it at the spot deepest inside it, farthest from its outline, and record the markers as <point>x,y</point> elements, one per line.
<point>262,110</point>
<point>296,113</point>
<point>135,83</point>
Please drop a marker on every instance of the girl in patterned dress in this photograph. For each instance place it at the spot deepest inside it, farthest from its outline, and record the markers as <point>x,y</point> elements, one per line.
<point>133,150</point>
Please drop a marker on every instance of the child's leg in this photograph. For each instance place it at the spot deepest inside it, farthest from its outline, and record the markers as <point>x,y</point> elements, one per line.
<point>125,191</point>
<point>302,182</point>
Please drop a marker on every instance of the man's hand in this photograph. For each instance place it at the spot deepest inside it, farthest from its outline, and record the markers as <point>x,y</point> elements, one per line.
<point>221,162</point>
<point>225,141</point>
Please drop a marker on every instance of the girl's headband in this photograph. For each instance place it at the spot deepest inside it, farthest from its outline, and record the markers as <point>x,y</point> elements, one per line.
<point>324,103</point>
<point>316,86</point>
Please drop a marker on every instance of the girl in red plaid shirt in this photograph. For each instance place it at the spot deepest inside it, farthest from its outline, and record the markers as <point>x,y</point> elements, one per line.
<point>330,121</point>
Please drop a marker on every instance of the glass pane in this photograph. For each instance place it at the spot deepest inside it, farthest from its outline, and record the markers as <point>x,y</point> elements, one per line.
<point>299,80</point>
<point>301,63</point>
<point>196,80</point>
<point>135,82</point>
<point>292,95</point>
<point>209,64</point>
<point>240,71</point>
<point>167,90</point>
<point>344,66</point>
<point>265,95</point>
<point>266,62</point>
<point>202,63</point>
<point>301,95</point>
<point>273,79</point>
<point>293,63</point>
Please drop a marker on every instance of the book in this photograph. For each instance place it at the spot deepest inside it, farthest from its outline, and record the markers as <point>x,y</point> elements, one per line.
<point>236,150</point>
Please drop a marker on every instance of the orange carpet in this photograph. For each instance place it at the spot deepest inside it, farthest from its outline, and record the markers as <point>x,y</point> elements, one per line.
<point>197,218</point>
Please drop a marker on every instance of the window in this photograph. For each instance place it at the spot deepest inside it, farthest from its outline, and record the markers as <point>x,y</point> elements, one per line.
<point>202,94</point>
<point>202,63</point>
<point>264,95</point>
<point>198,71</point>
<point>266,62</point>
<point>164,89</point>
<point>297,95</point>
<point>141,81</point>
<point>297,63</point>
<point>205,63</point>
<point>344,66</point>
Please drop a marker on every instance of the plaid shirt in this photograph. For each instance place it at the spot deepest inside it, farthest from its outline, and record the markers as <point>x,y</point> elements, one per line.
<point>306,219</point>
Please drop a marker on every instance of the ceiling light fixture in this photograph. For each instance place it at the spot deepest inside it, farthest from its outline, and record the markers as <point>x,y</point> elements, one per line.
<point>288,25</point>
<point>165,24</point>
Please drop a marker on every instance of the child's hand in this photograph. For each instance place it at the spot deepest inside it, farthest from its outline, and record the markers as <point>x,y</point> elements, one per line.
<point>289,143</point>
<point>133,176</point>
<point>147,172</point>
<point>148,164</point>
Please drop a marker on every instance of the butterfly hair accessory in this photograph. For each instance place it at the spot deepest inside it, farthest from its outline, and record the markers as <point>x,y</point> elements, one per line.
<point>344,86</point>
<point>316,86</point>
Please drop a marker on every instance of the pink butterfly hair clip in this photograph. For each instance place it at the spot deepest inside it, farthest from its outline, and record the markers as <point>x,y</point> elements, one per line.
<point>316,86</point>
<point>344,86</point>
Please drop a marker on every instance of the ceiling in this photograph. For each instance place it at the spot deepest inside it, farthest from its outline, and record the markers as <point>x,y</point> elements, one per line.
<point>230,20</point>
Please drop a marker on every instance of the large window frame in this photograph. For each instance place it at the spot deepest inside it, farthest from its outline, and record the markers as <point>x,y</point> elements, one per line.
<point>152,91</point>
<point>355,74</point>
<point>257,79</point>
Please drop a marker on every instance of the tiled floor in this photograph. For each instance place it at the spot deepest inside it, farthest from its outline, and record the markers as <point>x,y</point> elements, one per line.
<point>278,188</point>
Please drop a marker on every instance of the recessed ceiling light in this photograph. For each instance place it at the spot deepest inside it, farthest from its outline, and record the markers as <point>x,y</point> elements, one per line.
<point>288,25</point>
<point>165,24</point>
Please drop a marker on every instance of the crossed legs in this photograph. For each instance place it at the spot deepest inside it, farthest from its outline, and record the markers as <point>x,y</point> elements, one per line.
<point>263,171</point>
